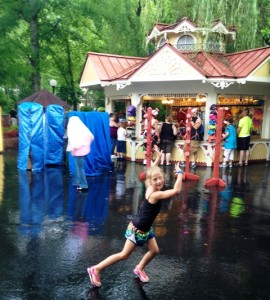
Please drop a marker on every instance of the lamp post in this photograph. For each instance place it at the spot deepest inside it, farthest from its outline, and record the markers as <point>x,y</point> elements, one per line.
<point>53,84</point>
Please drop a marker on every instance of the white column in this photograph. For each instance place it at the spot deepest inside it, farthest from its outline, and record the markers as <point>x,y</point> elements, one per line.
<point>265,134</point>
<point>137,102</point>
<point>109,105</point>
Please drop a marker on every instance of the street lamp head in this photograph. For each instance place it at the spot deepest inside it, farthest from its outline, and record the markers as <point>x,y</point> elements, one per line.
<point>53,83</point>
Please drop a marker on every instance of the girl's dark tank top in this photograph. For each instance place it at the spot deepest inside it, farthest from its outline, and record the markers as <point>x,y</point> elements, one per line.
<point>146,215</point>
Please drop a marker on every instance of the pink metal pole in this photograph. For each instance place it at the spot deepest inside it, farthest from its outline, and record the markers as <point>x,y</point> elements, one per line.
<point>187,174</point>
<point>187,147</point>
<point>215,180</point>
<point>149,137</point>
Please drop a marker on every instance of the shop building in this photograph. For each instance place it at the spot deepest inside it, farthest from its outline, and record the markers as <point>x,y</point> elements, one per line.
<point>190,68</point>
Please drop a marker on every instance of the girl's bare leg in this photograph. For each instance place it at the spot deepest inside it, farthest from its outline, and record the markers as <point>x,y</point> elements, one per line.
<point>129,247</point>
<point>153,251</point>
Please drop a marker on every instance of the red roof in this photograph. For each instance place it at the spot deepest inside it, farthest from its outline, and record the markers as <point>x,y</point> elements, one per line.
<point>212,64</point>
<point>111,67</point>
<point>160,26</point>
<point>246,62</point>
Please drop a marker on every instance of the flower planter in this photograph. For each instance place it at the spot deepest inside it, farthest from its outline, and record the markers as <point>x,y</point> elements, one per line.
<point>11,142</point>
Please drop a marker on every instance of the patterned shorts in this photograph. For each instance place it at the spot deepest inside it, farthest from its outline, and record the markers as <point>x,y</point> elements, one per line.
<point>137,236</point>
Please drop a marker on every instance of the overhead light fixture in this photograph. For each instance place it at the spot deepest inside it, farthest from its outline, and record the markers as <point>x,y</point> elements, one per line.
<point>201,98</point>
<point>167,102</point>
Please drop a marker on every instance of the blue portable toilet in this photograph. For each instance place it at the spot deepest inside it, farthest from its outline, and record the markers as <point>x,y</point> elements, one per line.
<point>41,130</point>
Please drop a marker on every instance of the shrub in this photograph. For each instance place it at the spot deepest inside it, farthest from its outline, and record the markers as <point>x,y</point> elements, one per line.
<point>86,108</point>
<point>11,131</point>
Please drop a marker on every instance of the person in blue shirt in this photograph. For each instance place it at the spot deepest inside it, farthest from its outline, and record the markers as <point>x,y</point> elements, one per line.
<point>230,143</point>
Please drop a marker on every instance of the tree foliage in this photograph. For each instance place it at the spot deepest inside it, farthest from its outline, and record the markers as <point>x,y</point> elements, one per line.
<point>48,39</point>
<point>250,17</point>
<point>243,14</point>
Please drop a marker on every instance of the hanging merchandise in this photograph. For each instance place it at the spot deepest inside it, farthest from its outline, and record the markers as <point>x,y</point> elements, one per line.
<point>131,119</point>
<point>257,118</point>
<point>212,123</point>
<point>226,113</point>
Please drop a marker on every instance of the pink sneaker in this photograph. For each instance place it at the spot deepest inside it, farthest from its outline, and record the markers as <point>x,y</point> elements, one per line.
<point>141,275</point>
<point>94,277</point>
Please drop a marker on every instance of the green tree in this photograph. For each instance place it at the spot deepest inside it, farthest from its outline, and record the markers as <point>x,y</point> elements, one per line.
<point>250,17</point>
<point>243,14</point>
<point>45,39</point>
<point>264,21</point>
<point>52,37</point>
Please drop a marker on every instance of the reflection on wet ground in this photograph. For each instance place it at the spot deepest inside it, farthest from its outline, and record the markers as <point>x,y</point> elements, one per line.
<point>213,244</point>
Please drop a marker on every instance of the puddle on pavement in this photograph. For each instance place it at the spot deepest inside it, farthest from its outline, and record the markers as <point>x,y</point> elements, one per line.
<point>213,244</point>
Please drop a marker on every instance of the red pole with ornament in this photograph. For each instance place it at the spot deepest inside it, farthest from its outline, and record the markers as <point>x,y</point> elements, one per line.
<point>149,137</point>
<point>187,175</point>
<point>215,180</point>
<point>148,150</point>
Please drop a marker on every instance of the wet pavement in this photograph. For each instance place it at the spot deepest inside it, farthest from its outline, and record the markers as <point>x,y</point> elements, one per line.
<point>213,244</point>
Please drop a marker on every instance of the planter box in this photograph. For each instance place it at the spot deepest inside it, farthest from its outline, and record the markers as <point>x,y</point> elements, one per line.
<point>11,143</point>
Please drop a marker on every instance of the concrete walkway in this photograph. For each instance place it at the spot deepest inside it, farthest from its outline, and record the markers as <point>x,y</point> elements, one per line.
<point>213,244</point>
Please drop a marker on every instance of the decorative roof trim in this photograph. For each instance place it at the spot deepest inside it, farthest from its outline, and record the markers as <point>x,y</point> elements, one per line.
<point>122,85</point>
<point>154,33</point>
<point>170,67</point>
<point>220,28</point>
<point>184,27</point>
<point>119,84</point>
<point>223,83</point>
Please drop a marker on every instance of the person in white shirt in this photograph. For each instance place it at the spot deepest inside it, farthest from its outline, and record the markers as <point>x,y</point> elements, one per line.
<point>121,142</point>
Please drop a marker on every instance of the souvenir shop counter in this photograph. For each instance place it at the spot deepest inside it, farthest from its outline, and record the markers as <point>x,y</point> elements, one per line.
<point>259,151</point>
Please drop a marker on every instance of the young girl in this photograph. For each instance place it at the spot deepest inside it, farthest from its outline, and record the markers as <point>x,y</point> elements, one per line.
<point>140,230</point>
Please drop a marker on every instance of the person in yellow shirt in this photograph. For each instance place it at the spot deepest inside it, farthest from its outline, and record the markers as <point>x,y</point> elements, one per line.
<point>243,136</point>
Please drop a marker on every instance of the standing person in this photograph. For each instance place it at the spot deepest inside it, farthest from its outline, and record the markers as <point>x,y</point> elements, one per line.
<point>140,230</point>
<point>195,123</point>
<point>79,141</point>
<point>121,141</point>
<point>167,136</point>
<point>113,132</point>
<point>13,117</point>
<point>243,138</point>
<point>230,143</point>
